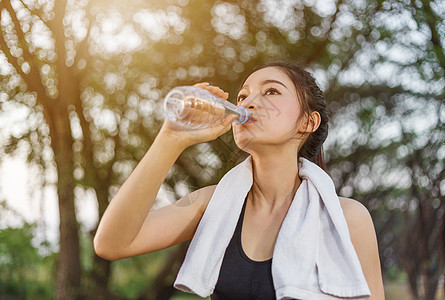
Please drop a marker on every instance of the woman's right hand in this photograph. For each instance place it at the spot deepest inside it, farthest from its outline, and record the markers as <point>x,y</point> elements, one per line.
<point>187,137</point>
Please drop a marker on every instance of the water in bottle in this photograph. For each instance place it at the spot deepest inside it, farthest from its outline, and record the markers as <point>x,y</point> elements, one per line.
<point>193,107</point>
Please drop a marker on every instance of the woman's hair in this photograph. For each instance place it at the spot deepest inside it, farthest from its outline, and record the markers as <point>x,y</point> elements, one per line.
<point>311,99</point>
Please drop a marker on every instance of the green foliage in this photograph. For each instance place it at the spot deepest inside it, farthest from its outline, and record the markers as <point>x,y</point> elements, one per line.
<point>380,63</point>
<point>135,276</point>
<point>25,274</point>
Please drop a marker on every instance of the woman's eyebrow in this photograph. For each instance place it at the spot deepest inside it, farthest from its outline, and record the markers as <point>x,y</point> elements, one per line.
<point>272,81</point>
<point>264,82</point>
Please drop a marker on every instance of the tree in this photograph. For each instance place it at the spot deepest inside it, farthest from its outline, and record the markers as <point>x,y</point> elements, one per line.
<point>397,145</point>
<point>35,68</point>
<point>98,104</point>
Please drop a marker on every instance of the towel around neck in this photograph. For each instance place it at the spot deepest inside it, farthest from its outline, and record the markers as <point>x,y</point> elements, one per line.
<point>313,255</point>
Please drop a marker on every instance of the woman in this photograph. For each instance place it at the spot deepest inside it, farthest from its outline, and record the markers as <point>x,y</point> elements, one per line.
<point>296,124</point>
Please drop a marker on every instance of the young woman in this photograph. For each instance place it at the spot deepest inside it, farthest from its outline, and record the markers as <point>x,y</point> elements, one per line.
<point>289,121</point>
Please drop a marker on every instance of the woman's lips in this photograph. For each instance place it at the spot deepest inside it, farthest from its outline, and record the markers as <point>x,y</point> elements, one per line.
<point>251,120</point>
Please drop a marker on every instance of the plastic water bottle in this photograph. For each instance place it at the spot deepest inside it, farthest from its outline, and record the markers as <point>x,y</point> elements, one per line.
<point>193,107</point>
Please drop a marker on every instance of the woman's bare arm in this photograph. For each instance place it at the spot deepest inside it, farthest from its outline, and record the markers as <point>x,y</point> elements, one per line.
<point>128,210</point>
<point>361,229</point>
<point>128,227</point>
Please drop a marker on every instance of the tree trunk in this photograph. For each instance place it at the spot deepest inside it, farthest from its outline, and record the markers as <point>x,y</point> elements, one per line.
<point>164,289</point>
<point>164,281</point>
<point>100,276</point>
<point>413,286</point>
<point>68,267</point>
<point>431,288</point>
<point>101,267</point>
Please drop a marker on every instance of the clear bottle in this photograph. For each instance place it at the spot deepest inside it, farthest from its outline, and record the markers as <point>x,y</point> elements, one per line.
<point>194,107</point>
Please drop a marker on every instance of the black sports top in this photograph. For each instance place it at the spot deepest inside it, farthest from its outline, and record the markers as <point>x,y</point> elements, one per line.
<point>239,276</point>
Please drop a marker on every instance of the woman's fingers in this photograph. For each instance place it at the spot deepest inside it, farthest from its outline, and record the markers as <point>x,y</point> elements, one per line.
<point>213,89</point>
<point>218,92</point>
<point>229,119</point>
<point>202,85</point>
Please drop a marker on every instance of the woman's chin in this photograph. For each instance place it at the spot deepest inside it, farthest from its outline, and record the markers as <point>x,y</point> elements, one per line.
<point>245,143</point>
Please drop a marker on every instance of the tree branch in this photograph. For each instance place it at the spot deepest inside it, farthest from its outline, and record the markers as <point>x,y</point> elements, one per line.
<point>82,48</point>
<point>430,19</point>
<point>36,12</point>
<point>58,29</point>
<point>321,47</point>
<point>32,79</point>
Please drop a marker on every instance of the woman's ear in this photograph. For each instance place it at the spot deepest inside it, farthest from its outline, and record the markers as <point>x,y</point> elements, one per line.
<point>311,123</point>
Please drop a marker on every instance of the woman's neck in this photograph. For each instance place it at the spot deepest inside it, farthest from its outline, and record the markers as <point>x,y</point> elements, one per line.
<point>275,180</point>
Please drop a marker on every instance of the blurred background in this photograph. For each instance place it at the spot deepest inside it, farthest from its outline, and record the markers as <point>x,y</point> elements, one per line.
<point>81,96</point>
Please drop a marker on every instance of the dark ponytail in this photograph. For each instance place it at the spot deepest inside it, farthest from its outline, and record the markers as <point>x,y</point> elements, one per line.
<point>319,160</point>
<point>312,99</point>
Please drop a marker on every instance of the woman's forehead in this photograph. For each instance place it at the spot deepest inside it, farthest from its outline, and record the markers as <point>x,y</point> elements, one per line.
<point>269,73</point>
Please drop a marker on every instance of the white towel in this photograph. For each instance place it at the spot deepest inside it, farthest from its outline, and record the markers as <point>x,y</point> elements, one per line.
<point>313,256</point>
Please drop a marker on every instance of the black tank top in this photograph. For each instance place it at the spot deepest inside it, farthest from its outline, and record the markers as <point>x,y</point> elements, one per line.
<point>239,276</point>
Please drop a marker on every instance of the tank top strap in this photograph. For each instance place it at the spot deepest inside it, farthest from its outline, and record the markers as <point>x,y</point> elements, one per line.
<point>239,225</point>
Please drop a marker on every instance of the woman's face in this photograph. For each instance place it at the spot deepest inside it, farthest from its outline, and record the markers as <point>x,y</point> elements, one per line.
<point>271,97</point>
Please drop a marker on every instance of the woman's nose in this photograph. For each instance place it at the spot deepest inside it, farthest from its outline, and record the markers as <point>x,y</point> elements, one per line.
<point>249,106</point>
<point>248,103</point>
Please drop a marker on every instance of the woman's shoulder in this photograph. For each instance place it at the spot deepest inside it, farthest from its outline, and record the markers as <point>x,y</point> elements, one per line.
<point>353,208</point>
<point>358,218</point>
<point>364,239</point>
